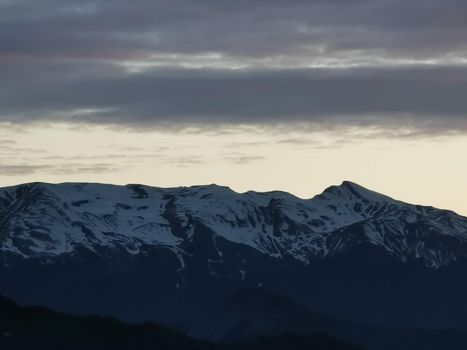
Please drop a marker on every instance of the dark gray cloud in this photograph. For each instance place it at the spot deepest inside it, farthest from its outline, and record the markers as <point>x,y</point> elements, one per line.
<point>119,28</point>
<point>405,62</point>
<point>429,97</point>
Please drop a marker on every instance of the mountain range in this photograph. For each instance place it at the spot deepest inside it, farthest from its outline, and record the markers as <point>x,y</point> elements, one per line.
<point>170,255</point>
<point>50,220</point>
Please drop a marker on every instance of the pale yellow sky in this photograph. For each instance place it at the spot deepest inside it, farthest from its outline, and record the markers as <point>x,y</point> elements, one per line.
<point>420,170</point>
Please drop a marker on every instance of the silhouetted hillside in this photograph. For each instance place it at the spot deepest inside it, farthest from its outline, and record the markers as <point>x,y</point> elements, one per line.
<point>39,328</point>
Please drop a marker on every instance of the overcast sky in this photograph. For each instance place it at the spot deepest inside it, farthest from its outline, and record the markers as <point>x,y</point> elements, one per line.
<point>254,94</point>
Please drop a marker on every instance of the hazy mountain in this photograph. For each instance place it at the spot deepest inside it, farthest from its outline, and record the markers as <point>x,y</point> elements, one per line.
<point>255,312</point>
<point>24,328</point>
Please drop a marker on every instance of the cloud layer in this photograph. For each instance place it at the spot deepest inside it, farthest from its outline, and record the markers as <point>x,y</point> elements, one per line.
<point>328,63</point>
<point>259,28</point>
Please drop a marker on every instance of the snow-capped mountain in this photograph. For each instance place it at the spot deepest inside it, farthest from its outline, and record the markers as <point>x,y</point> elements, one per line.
<point>45,220</point>
<point>166,255</point>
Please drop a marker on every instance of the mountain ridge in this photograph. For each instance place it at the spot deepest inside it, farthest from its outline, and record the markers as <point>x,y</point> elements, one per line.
<point>344,183</point>
<point>275,223</point>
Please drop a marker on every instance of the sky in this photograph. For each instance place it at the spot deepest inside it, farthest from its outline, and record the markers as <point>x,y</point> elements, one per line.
<point>263,95</point>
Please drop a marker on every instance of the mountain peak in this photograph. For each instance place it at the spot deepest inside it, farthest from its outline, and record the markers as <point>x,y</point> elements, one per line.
<point>351,190</point>
<point>347,183</point>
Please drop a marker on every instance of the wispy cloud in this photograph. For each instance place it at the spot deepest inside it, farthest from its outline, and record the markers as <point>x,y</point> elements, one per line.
<point>244,159</point>
<point>7,143</point>
<point>13,170</point>
<point>299,141</point>
<point>63,169</point>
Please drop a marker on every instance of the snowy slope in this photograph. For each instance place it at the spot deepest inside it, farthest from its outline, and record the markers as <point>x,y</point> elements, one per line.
<point>38,220</point>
